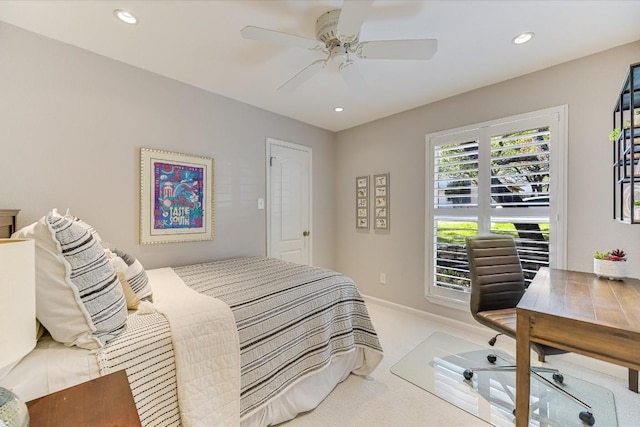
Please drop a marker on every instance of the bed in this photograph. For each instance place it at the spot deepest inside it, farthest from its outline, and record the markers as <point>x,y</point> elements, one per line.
<point>247,341</point>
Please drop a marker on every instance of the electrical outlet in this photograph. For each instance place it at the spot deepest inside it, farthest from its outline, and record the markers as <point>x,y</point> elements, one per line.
<point>383,278</point>
<point>260,203</point>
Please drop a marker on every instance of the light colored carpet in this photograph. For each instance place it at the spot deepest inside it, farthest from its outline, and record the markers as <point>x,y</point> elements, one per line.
<point>383,399</point>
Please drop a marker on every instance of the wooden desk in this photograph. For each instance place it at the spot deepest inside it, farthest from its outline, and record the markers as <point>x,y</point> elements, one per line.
<point>104,402</point>
<point>579,313</point>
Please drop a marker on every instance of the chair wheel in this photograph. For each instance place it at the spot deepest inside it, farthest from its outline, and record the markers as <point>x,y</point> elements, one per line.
<point>587,417</point>
<point>559,378</point>
<point>492,358</point>
<point>468,374</point>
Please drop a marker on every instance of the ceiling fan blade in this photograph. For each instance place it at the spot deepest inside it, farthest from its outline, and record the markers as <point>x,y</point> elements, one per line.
<point>285,39</point>
<point>352,16</point>
<point>351,74</point>
<point>303,76</point>
<point>397,49</point>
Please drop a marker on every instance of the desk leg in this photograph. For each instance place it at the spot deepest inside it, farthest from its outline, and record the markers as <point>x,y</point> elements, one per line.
<point>523,376</point>
<point>633,380</point>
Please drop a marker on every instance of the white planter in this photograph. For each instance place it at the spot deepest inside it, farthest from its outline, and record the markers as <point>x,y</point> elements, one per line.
<point>612,270</point>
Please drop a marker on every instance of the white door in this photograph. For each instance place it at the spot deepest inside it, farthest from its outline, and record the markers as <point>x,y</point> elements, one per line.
<point>288,201</point>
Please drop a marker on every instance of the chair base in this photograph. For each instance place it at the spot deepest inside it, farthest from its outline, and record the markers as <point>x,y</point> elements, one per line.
<point>586,416</point>
<point>541,357</point>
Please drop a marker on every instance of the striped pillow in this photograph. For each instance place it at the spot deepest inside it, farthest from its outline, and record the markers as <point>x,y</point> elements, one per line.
<point>84,225</point>
<point>78,296</point>
<point>135,275</point>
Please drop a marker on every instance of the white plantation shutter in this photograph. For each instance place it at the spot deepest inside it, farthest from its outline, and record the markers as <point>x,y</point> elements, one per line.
<point>456,174</point>
<point>520,160</point>
<point>501,177</point>
<point>532,244</point>
<point>451,265</point>
<point>520,179</point>
<point>455,189</point>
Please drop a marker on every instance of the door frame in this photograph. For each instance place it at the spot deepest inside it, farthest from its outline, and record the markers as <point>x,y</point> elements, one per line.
<point>269,142</point>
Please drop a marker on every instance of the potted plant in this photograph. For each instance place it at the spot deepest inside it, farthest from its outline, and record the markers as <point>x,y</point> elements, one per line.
<point>615,133</point>
<point>610,265</point>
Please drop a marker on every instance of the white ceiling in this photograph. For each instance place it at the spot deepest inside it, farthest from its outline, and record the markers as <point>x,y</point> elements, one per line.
<point>199,43</point>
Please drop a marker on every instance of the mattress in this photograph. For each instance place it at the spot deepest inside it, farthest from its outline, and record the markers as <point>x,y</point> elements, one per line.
<point>50,367</point>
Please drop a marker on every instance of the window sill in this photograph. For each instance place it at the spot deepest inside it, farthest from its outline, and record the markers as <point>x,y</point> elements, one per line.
<point>458,304</point>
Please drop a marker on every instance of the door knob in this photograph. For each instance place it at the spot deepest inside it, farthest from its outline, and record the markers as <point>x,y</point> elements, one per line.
<point>306,233</point>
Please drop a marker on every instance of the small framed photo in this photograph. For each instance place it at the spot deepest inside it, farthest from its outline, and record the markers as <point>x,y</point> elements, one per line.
<point>176,197</point>
<point>381,180</point>
<point>362,204</point>
<point>381,190</point>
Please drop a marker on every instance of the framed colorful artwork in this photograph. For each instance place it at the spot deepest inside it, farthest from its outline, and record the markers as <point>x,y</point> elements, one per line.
<point>362,206</point>
<point>381,188</point>
<point>176,197</point>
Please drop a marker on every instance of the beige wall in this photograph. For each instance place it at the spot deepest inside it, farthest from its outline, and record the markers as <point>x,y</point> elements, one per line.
<point>72,123</point>
<point>396,144</point>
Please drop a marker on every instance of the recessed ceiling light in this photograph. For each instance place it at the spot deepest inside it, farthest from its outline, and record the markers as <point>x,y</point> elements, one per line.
<point>338,109</point>
<point>522,38</point>
<point>125,16</point>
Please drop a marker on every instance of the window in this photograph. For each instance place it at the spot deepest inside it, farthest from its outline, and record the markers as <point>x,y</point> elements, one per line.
<point>501,177</point>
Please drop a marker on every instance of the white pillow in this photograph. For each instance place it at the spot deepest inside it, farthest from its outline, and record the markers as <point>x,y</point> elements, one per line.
<point>78,296</point>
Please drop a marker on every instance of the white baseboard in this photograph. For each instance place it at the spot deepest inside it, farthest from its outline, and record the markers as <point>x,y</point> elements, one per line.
<point>425,314</point>
<point>573,358</point>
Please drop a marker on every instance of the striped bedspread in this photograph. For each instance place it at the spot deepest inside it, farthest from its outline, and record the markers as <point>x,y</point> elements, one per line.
<point>145,351</point>
<point>291,319</point>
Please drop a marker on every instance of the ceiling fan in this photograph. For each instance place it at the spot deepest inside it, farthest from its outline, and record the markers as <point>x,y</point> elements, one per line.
<point>337,36</point>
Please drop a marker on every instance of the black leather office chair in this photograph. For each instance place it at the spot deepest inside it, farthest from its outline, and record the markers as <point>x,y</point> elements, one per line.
<point>497,285</point>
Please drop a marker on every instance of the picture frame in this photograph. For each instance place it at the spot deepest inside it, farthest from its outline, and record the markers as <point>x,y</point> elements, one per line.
<point>362,202</point>
<point>176,197</point>
<point>381,191</point>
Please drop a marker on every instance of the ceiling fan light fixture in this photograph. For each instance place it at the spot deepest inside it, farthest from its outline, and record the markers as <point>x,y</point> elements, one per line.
<point>125,16</point>
<point>339,54</point>
<point>522,38</point>
<point>338,109</point>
